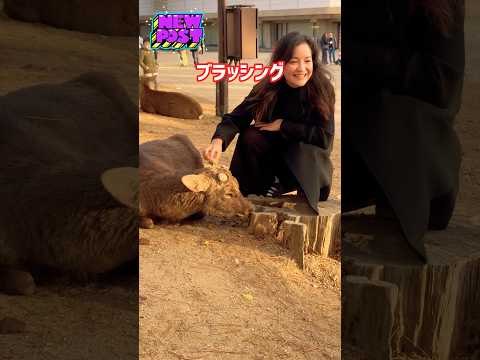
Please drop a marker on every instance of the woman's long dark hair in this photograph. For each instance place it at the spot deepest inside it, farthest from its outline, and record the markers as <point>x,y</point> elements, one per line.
<point>440,12</point>
<point>319,90</point>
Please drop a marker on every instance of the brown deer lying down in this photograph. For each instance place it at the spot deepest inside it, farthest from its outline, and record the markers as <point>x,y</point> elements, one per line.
<point>174,184</point>
<point>117,18</point>
<point>168,103</point>
<point>67,176</point>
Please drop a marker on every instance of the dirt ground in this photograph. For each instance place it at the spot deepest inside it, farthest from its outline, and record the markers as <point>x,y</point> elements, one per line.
<point>211,291</point>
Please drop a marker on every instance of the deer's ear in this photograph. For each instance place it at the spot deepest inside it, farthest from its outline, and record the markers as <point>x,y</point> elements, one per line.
<point>123,184</point>
<point>196,183</point>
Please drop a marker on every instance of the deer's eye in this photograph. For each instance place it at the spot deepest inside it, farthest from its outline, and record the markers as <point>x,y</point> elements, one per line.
<point>223,177</point>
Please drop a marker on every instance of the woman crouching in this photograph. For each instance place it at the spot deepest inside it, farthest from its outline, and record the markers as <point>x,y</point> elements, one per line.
<point>286,128</point>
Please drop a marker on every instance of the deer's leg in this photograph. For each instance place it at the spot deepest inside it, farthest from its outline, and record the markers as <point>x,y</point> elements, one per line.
<point>146,222</point>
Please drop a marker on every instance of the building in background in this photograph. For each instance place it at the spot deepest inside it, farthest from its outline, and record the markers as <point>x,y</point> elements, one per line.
<point>275,17</point>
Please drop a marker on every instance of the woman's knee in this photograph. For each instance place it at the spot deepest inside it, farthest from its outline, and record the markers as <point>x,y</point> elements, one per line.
<point>253,139</point>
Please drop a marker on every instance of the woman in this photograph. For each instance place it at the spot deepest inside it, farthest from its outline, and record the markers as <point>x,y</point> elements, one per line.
<point>183,57</point>
<point>199,50</point>
<point>400,97</point>
<point>195,56</point>
<point>332,47</point>
<point>323,43</point>
<point>288,145</point>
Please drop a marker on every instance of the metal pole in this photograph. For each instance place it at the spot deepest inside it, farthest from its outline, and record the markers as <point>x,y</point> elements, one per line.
<point>222,86</point>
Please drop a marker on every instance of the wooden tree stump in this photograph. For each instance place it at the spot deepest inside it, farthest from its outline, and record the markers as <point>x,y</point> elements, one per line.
<point>437,312</point>
<point>376,298</point>
<point>278,217</point>
<point>263,223</point>
<point>294,237</point>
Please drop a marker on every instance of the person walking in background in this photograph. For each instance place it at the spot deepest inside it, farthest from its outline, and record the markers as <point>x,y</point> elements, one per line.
<point>323,44</point>
<point>199,50</point>
<point>332,47</point>
<point>148,65</point>
<point>195,56</point>
<point>180,57</point>
<point>183,57</point>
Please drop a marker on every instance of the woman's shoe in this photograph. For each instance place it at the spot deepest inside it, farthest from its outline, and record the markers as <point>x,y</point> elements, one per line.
<point>276,189</point>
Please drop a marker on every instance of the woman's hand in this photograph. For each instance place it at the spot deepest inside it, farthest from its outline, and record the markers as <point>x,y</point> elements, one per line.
<point>213,151</point>
<point>273,126</point>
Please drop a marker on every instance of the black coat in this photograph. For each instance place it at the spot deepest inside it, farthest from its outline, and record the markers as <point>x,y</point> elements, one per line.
<point>400,98</point>
<point>308,134</point>
<point>323,42</point>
